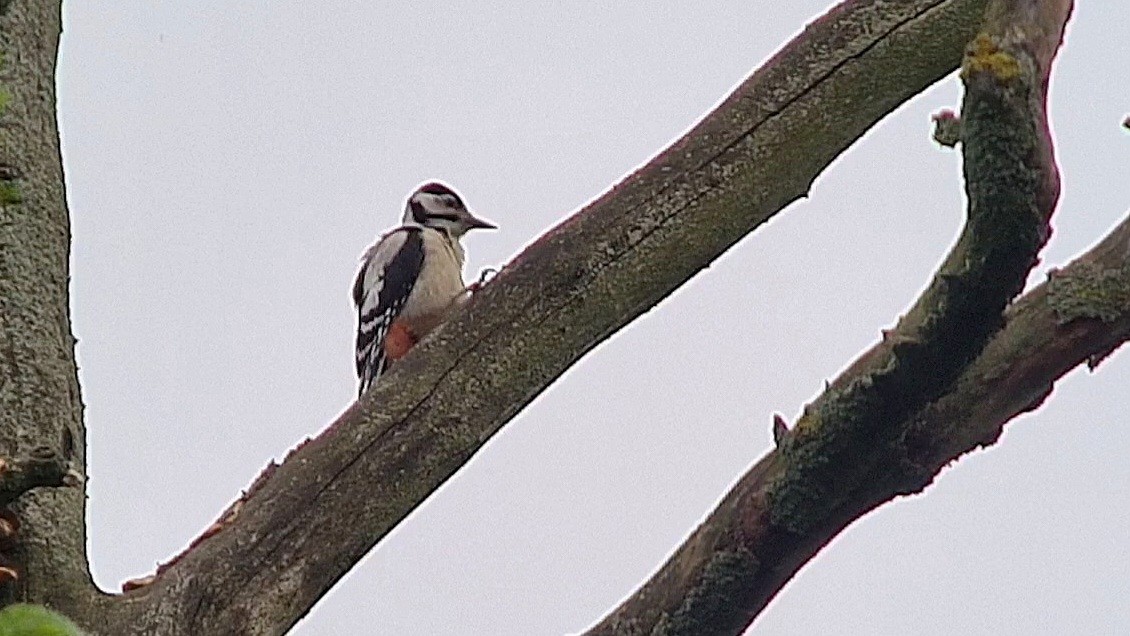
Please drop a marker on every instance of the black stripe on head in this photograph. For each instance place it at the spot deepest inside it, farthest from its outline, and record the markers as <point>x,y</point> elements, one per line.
<point>419,214</point>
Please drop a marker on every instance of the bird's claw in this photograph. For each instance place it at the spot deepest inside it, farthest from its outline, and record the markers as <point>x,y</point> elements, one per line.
<point>484,277</point>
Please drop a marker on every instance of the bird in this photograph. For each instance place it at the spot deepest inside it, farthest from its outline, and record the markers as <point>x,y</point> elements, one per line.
<point>411,278</point>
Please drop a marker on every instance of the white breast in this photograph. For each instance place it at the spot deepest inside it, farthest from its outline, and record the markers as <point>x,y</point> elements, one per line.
<point>440,287</point>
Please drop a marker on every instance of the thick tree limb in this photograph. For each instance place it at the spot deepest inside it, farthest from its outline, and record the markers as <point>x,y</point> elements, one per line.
<point>296,533</point>
<point>1080,315</point>
<point>336,497</point>
<point>847,453</point>
<point>39,395</point>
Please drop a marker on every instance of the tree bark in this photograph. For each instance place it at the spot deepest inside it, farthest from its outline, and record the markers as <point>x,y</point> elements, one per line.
<point>853,448</point>
<point>335,497</point>
<point>305,523</point>
<point>40,403</point>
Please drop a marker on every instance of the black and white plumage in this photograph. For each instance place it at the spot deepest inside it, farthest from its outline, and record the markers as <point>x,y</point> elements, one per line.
<point>380,292</point>
<point>411,278</point>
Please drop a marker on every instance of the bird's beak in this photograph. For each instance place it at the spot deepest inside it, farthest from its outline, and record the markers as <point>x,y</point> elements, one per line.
<point>474,222</point>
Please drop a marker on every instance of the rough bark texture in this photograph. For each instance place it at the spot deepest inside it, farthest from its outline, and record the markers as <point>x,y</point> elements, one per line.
<point>1080,315</point>
<point>338,495</point>
<point>305,523</point>
<point>40,405</point>
<point>847,453</point>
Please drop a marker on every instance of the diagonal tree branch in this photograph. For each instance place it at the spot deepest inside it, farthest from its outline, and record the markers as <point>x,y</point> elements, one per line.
<point>849,451</point>
<point>337,495</point>
<point>305,523</point>
<point>1080,315</point>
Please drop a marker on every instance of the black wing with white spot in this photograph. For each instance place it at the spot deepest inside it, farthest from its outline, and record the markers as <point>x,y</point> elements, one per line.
<point>387,276</point>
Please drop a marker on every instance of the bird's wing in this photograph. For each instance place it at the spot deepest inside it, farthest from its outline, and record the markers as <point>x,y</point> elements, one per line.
<point>382,286</point>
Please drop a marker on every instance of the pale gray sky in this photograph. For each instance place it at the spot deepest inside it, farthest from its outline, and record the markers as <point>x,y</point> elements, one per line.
<point>228,162</point>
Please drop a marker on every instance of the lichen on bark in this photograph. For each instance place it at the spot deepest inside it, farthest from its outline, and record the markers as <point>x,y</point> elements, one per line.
<point>1090,291</point>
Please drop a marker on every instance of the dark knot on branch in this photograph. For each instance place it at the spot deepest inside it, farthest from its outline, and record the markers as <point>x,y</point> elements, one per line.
<point>42,467</point>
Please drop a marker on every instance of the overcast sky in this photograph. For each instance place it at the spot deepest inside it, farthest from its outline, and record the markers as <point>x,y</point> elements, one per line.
<point>228,162</point>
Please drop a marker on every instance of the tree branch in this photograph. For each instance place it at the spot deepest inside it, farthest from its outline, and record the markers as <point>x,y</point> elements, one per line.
<point>1080,315</point>
<point>849,452</point>
<point>335,497</point>
<point>40,405</point>
<point>297,531</point>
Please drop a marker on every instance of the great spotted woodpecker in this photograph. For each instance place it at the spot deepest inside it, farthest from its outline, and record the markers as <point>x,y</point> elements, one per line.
<point>411,278</point>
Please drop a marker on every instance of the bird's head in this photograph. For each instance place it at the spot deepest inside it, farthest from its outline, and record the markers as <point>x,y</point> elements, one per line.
<point>437,206</point>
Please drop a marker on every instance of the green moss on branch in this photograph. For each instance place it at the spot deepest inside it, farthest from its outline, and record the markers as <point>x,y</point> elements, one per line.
<point>1089,291</point>
<point>723,582</point>
<point>1011,188</point>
